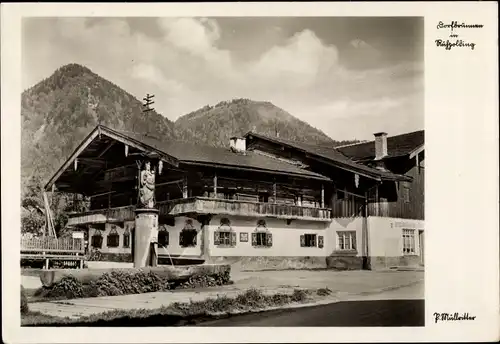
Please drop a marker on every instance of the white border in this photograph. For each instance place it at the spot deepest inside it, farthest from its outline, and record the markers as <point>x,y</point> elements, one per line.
<point>461,124</point>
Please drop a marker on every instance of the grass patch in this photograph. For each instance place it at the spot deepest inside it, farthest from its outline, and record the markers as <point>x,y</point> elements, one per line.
<point>24,302</point>
<point>178,313</point>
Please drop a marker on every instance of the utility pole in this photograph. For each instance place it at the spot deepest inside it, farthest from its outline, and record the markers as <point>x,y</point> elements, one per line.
<point>146,106</point>
<point>147,103</point>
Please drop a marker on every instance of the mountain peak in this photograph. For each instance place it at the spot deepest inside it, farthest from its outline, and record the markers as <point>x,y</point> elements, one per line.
<point>73,68</point>
<point>62,109</point>
<point>214,125</point>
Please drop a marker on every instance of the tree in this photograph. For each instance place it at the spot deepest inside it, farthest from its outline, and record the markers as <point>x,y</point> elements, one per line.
<point>33,218</point>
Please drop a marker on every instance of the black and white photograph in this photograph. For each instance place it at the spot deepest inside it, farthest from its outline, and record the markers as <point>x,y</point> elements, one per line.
<point>227,171</point>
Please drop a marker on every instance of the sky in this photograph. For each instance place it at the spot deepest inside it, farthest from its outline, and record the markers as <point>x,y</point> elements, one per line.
<point>347,76</point>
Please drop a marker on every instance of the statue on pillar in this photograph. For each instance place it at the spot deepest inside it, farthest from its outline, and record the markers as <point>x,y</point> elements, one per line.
<point>147,187</point>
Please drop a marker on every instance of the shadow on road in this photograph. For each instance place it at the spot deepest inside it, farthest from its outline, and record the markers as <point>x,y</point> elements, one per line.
<point>349,313</point>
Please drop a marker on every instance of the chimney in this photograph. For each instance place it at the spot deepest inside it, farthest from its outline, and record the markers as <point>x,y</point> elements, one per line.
<point>238,144</point>
<point>380,145</point>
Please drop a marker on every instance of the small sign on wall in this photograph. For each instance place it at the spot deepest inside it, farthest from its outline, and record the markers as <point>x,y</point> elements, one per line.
<point>77,235</point>
<point>406,224</point>
<point>243,237</point>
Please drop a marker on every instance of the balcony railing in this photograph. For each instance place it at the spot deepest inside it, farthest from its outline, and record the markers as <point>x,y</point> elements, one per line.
<point>204,205</point>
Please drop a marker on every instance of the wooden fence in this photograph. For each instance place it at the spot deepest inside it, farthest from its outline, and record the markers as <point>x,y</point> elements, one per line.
<point>49,244</point>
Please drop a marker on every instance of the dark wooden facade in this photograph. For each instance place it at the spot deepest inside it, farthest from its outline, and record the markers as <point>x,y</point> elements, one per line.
<point>399,199</point>
<point>409,201</point>
<point>105,170</point>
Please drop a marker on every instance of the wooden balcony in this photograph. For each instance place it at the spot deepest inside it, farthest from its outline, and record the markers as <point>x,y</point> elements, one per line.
<point>111,215</point>
<point>204,205</point>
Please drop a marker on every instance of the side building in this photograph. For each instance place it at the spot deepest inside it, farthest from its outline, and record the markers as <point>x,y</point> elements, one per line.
<point>377,197</point>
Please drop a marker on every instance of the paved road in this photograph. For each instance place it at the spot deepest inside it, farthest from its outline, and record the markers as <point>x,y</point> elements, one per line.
<point>400,307</point>
<point>349,313</point>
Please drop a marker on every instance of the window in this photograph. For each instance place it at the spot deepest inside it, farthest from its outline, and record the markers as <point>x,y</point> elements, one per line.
<point>308,240</point>
<point>262,237</point>
<point>263,197</point>
<point>408,241</point>
<point>346,241</point>
<point>224,235</point>
<point>163,237</point>
<point>187,237</point>
<point>225,238</point>
<point>113,238</point>
<point>96,240</point>
<point>126,238</point>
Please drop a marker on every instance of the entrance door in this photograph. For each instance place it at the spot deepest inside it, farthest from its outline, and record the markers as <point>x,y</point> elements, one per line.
<point>421,244</point>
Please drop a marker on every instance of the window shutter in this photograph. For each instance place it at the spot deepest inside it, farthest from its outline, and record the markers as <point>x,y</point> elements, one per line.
<point>314,243</point>
<point>302,241</point>
<point>269,239</point>
<point>233,238</point>
<point>320,241</point>
<point>216,238</point>
<point>195,238</point>
<point>254,239</point>
<point>353,236</point>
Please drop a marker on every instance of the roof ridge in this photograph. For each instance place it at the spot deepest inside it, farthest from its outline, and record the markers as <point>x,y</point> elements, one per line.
<point>352,144</point>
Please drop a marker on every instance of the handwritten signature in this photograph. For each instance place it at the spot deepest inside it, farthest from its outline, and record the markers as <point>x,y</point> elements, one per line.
<point>452,317</point>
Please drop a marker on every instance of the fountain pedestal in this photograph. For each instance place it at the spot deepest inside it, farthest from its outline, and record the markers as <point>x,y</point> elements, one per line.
<point>146,237</point>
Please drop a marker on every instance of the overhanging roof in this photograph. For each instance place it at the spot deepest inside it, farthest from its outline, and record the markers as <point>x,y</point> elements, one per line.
<point>189,153</point>
<point>397,146</point>
<point>97,146</point>
<point>330,155</point>
<point>91,150</point>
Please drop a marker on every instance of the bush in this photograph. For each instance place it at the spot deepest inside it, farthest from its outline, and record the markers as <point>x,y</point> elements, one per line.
<point>299,295</point>
<point>24,302</point>
<point>121,282</point>
<point>324,291</point>
<point>69,287</point>
<point>204,281</point>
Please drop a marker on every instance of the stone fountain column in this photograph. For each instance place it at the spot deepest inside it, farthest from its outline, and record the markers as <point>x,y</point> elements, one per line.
<point>146,219</point>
